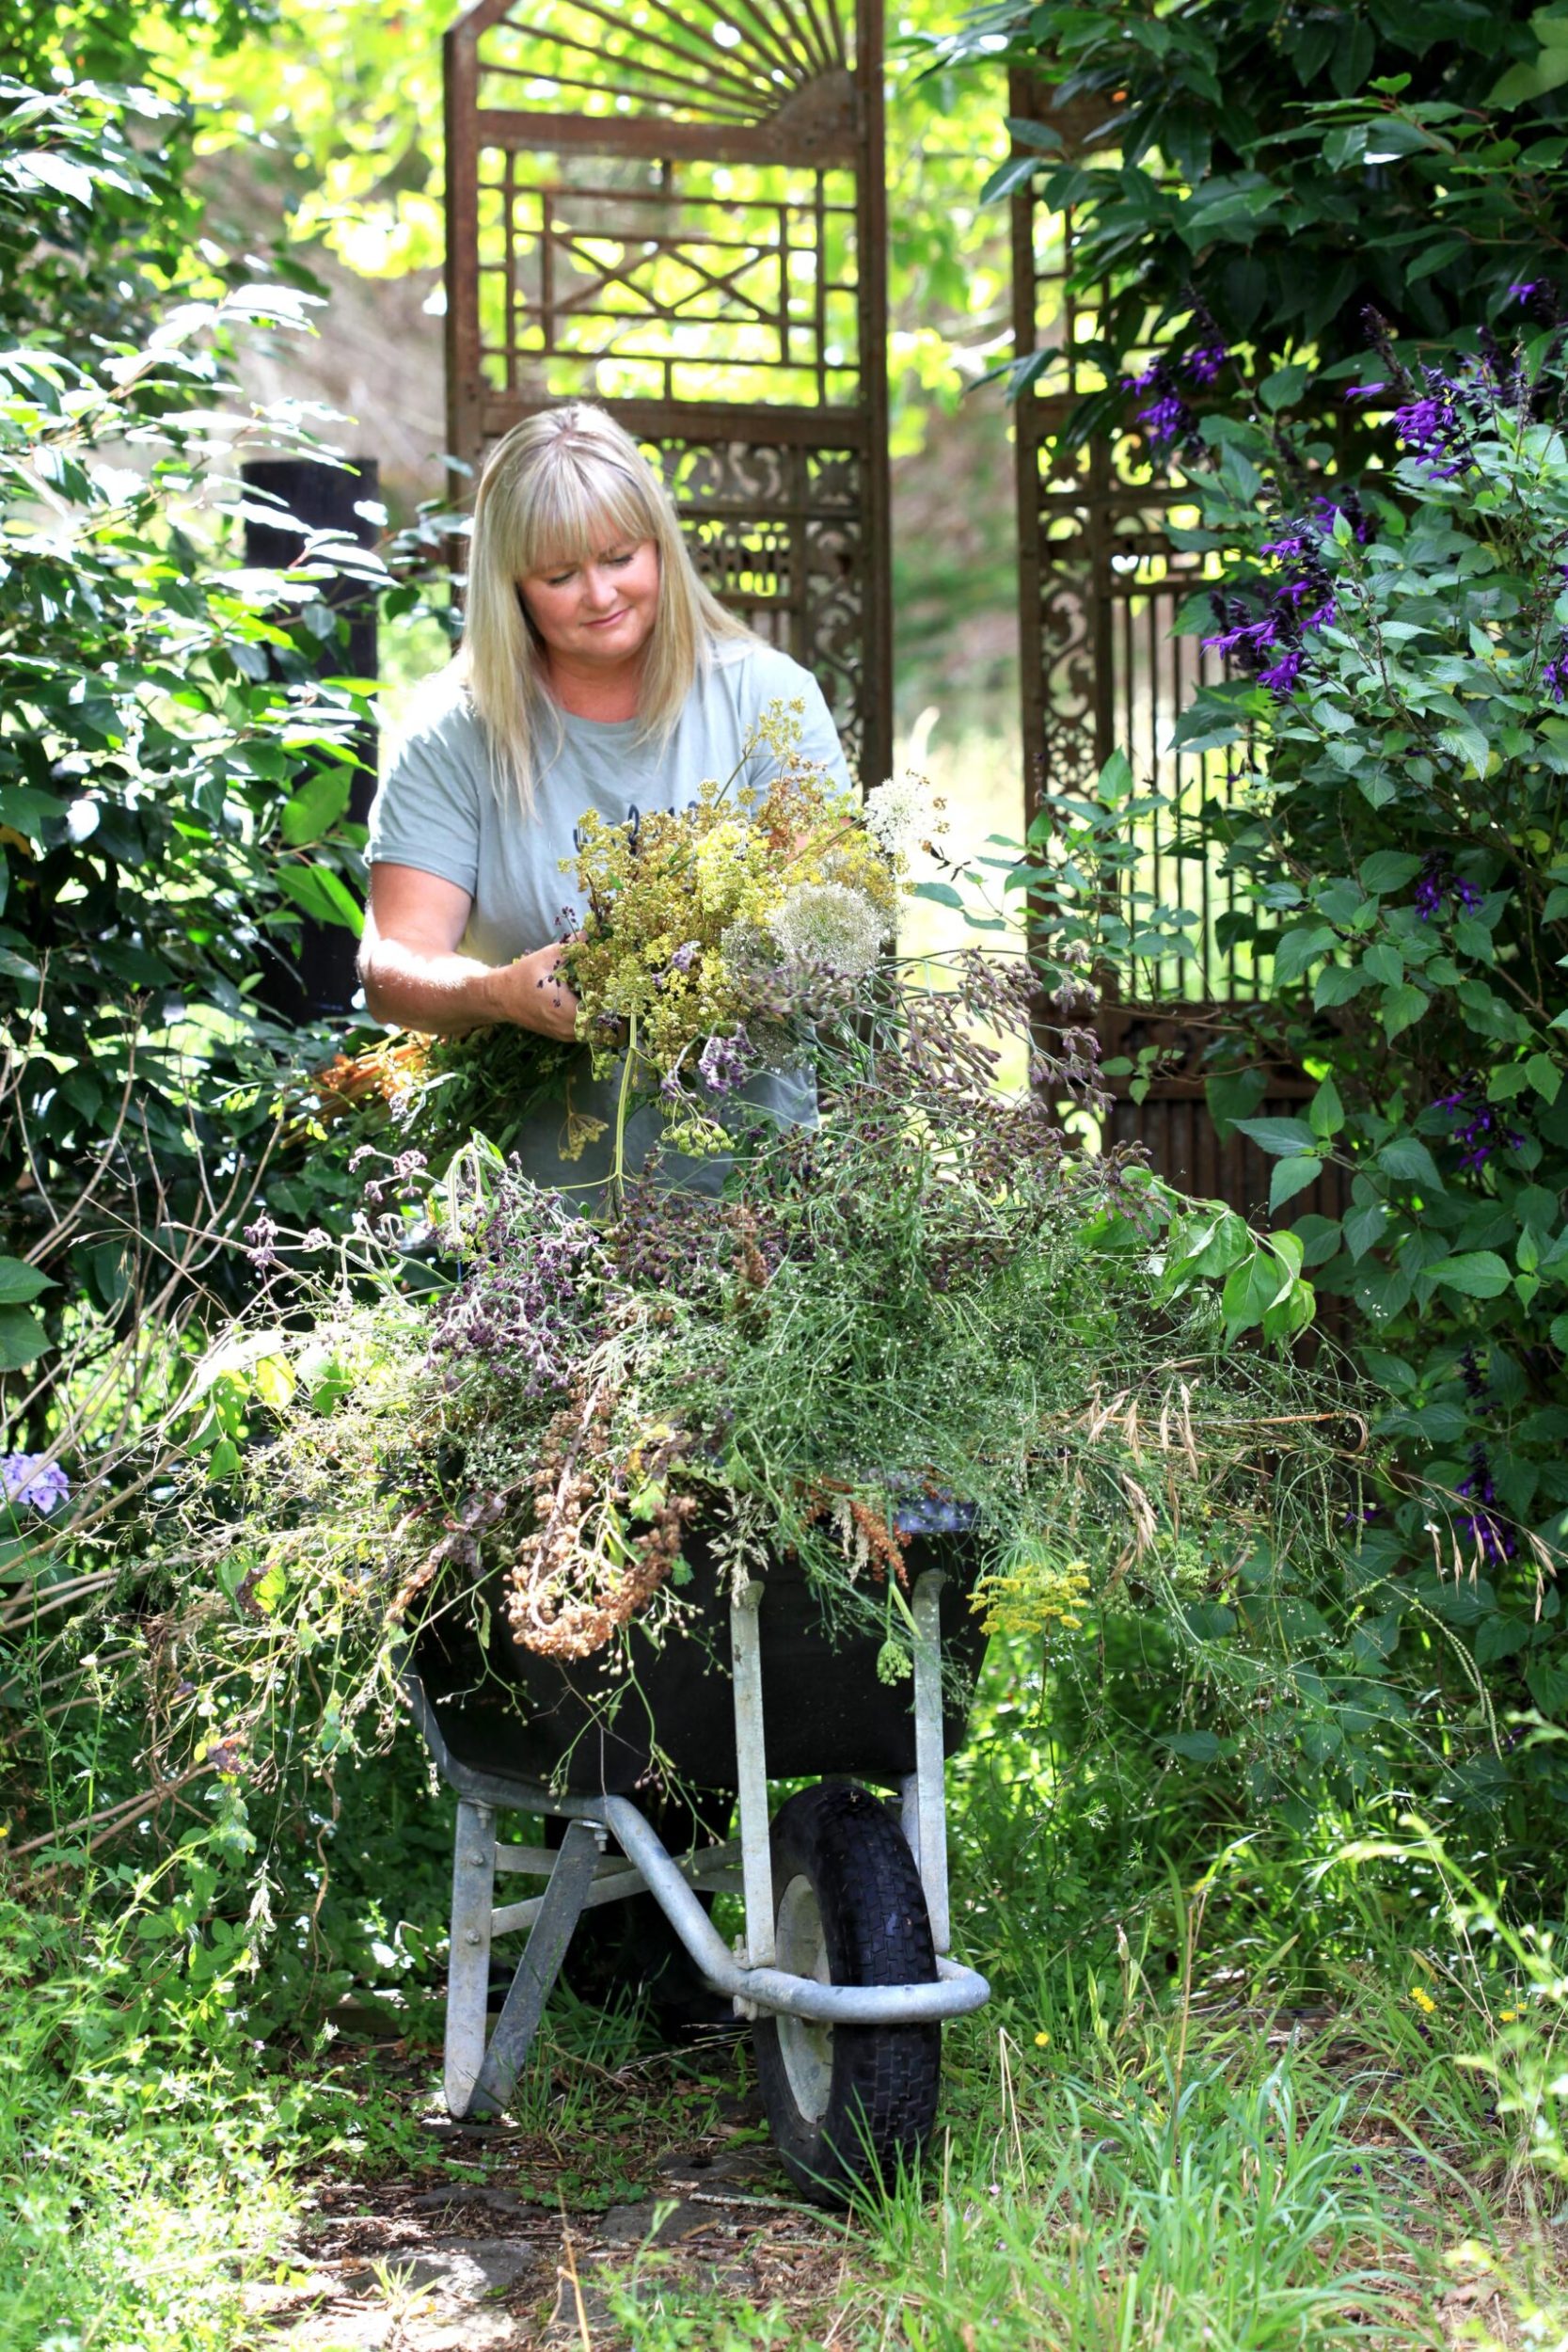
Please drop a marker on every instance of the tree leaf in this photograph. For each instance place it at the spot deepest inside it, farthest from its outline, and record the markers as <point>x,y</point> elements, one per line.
<point>1291,1177</point>
<point>1337,984</point>
<point>1297,948</point>
<point>1548,1681</point>
<point>316,807</point>
<point>1196,1747</point>
<point>1326,1113</point>
<point>1474,1274</point>
<point>23,1338</point>
<point>1364,1227</point>
<point>1401,1007</point>
<point>52,171</point>
<point>1408,1156</point>
<point>1388,869</point>
<point>19,1282</point>
<point>320,894</point>
<point>1545,1074</point>
<point>1281,1137</point>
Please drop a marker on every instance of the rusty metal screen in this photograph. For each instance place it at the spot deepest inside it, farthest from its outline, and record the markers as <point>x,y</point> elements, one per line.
<point>679,211</point>
<point>1101,588</point>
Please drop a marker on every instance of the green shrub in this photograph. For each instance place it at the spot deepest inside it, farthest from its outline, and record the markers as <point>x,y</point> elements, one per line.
<point>1276,172</point>
<point>173,774</point>
<point>1396,840</point>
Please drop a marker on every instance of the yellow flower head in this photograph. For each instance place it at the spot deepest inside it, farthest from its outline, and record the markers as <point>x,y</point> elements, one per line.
<point>1423,2000</point>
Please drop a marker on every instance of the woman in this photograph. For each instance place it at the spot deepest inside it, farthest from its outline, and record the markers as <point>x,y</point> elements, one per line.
<point>595,672</point>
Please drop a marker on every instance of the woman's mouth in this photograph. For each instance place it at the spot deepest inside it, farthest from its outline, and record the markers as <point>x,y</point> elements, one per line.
<point>608,619</point>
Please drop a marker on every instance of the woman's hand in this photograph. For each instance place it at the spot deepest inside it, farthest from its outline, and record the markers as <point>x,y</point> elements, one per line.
<point>415,975</point>
<point>533,993</point>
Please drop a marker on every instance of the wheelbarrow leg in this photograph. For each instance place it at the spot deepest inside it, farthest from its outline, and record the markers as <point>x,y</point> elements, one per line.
<point>473,1883</point>
<point>925,1796</point>
<point>560,1909</point>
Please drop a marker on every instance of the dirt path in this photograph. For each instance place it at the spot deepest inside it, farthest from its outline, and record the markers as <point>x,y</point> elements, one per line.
<point>516,2237</point>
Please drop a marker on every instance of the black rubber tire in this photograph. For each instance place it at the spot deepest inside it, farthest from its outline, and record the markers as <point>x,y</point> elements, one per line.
<point>881,2103</point>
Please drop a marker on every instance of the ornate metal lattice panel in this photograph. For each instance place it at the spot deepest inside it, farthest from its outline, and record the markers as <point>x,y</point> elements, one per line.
<point>678,211</point>
<point>1100,590</point>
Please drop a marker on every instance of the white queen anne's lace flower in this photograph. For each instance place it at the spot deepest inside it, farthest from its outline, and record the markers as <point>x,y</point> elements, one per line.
<point>899,812</point>
<point>828,923</point>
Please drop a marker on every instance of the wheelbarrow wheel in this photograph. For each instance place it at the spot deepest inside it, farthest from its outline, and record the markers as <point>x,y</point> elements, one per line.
<point>848,2105</point>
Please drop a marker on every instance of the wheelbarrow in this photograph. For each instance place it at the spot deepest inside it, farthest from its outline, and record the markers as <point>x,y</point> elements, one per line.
<point>844,1967</point>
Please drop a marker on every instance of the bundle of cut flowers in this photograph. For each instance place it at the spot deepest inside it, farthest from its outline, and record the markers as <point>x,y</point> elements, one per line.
<point>927,1308</point>
<point>710,941</point>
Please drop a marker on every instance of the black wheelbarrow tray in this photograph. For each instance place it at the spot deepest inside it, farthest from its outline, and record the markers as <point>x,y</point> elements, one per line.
<point>843,1966</point>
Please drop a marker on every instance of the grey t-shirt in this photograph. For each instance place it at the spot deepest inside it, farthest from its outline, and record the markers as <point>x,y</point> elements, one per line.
<point>441,811</point>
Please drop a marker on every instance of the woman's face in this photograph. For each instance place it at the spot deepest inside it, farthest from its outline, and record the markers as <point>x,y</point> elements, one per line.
<point>599,613</point>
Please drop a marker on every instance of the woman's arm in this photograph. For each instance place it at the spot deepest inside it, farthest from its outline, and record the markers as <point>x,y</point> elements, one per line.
<point>414,975</point>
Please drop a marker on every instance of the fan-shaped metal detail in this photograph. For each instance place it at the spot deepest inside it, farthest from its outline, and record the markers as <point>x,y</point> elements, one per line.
<point>676,207</point>
<point>730,61</point>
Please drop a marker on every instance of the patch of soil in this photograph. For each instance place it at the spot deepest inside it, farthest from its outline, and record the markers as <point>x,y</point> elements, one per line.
<point>503,2240</point>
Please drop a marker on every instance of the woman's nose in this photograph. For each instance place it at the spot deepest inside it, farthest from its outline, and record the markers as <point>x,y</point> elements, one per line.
<point>598,588</point>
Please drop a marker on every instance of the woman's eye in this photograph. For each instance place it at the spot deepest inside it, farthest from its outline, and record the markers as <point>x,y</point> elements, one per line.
<point>615,562</point>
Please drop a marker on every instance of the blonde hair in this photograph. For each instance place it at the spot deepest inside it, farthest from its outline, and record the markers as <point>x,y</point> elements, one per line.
<point>558,490</point>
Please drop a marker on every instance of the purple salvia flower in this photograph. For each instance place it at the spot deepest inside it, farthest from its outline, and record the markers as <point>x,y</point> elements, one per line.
<point>1248,638</point>
<point>1440,886</point>
<point>1348,502</point>
<point>1480,1132</point>
<point>1478,1486</point>
<point>1283,677</point>
<point>1164,422</point>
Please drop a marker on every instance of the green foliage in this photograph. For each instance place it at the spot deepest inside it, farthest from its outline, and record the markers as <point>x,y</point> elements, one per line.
<point>173,773</point>
<point>1280,171</point>
<point>1394,838</point>
<point>123,2056</point>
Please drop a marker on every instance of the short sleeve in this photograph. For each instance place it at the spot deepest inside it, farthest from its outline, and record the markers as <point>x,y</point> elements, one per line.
<point>775,678</point>
<point>426,814</point>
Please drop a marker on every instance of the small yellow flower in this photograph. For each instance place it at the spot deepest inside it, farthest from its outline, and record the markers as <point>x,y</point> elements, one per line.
<point>1508,2016</point>
<point>1042,2040</point>
<point>1423,2000</point>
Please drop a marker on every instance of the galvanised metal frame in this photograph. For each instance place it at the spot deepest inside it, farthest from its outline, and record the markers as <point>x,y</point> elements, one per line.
<point>1101,585</point>
<point>482,2075</point>
<point>679,210</point>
